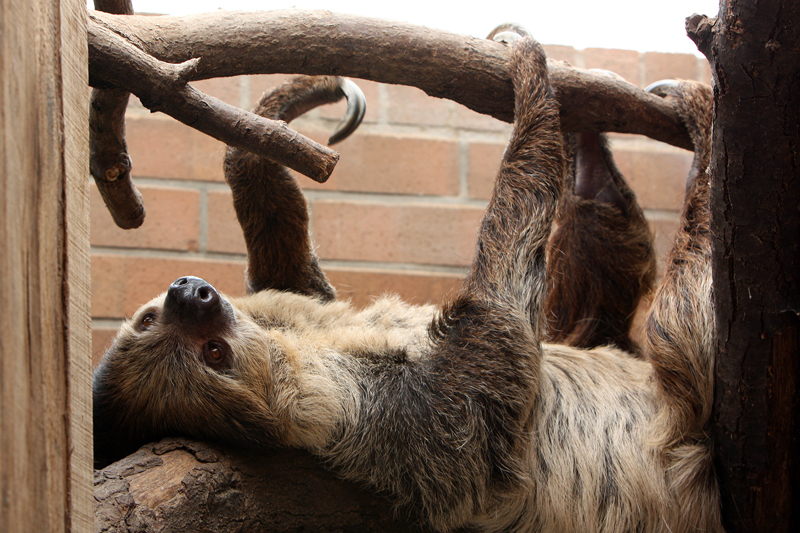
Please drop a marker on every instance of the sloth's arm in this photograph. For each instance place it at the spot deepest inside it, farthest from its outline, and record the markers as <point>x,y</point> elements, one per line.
<point>679,329</point>
<point>509,269</point>
<point>270,205</point>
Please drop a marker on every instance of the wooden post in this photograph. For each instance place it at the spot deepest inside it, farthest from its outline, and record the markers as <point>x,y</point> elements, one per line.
<point>45,400</point>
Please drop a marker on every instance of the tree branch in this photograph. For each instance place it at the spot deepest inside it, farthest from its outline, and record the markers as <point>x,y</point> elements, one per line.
<point>163,87</point>
<point>138,54</point>
<point>109,162</point>
<point>183,486</point>
<point>467,70</point>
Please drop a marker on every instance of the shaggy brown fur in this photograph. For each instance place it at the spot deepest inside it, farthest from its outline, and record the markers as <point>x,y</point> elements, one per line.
<point>460,414</point>
<point>601,260</point>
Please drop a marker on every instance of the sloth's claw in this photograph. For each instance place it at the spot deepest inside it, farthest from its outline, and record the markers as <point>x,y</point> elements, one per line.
<point>356,107</point>
<point>662,87</point>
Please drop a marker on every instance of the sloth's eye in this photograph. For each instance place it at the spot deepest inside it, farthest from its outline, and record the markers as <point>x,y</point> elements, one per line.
<point>147,320</point>
<point>216,354</point>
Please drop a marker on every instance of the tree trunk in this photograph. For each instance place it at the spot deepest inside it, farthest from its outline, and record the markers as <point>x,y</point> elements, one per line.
<point>755,59</point>
<point>184,486</point>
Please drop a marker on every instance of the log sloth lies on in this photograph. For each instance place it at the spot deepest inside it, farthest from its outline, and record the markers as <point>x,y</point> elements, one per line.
<point>464,414</point>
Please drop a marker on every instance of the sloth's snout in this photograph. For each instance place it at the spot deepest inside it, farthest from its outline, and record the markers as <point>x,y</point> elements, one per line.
<point>192,302</point>
<point>193,291</point>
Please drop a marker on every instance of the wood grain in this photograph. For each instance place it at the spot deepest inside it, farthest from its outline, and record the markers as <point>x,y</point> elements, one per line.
<point>45,431</point>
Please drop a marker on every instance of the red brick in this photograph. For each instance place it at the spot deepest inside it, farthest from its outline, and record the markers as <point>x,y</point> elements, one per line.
<point>421,234</point>
<point>361,286</point>
<point>409,105</point>
<point>622,62</point>
<point>371,93</point>
<point>171,223</point>
<point>226,89</point>
<point>122,283</point>
<point>224,231</point>
<point>658,178</point>
<point>664,227</point>
<point>161,147</point>
<point>101,341</point>
<point>261,83</point>
<point>484,161</point>
<point>561,53</point>
<point>660,66</point>
<point>392,164</point>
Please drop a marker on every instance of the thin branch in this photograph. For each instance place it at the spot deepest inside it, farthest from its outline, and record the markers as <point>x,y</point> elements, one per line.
<point>163,87</point>
<point>465,69</point>
<point>109,162</point>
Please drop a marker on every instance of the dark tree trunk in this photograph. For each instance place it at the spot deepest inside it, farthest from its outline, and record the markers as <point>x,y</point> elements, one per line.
<point>755,58</point>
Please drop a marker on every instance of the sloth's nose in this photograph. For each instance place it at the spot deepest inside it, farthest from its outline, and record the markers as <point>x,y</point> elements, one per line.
<point>190,290</point>
<point>191,301</point>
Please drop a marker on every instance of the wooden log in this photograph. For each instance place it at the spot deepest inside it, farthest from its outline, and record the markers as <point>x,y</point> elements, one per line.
<point>180,485</point>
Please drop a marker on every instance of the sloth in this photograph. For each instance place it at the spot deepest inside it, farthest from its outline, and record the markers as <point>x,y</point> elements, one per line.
<point>520,404</point>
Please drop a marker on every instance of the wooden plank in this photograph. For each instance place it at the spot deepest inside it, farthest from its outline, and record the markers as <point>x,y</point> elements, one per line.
<point>75,80</point>
<point>45,422</point>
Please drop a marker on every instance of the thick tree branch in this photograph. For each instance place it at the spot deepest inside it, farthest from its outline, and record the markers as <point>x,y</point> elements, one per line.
<point>109,162</point>
<point>179,485</point>
<point>467,70</point>
<point>138,54</point>
<point>163,87</point>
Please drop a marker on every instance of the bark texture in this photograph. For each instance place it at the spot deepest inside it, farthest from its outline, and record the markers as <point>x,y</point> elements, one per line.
<point>109,162</point>
<point>45,337</point>
<point>752,48</point>
<point>470,71</point>
<point>179,485</point>
<point>155,57</point>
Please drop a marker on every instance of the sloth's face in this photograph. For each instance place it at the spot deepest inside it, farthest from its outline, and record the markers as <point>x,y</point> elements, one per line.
<point>192,319</point>
<point>187,363</point>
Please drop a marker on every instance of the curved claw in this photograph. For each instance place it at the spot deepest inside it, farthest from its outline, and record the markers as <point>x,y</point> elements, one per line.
<point>356,107</point>
<point>661,87</point>
<point>508,32</point>
<point>506,37</point>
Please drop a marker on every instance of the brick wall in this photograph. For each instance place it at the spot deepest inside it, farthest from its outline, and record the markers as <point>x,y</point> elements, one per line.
<point>399,213</point>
